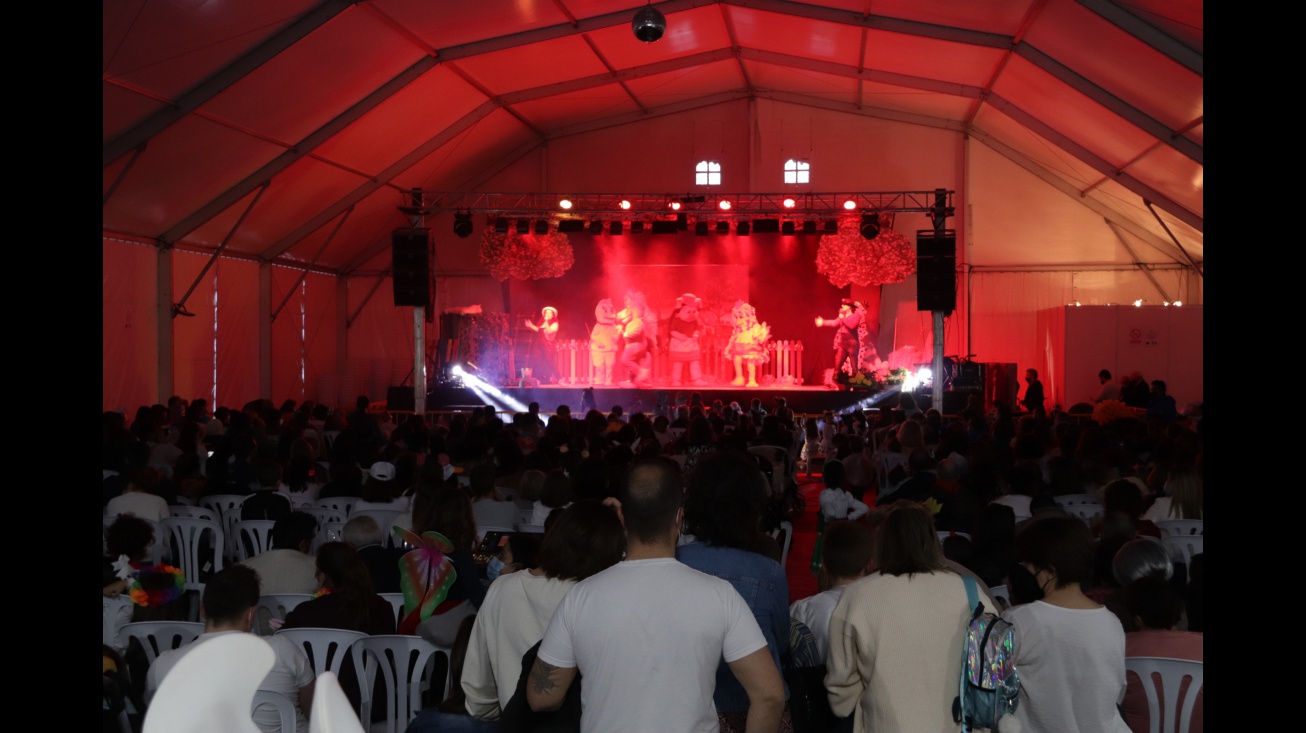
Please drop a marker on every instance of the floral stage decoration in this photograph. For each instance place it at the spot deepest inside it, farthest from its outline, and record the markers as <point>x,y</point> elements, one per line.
<point>526,256</point>
<point>848,258</point>
<point>1108,411</point>
<point>872,380</point>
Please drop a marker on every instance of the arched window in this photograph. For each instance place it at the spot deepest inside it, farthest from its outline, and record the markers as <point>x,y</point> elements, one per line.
<point>707,173</point>
<point>798,171</point>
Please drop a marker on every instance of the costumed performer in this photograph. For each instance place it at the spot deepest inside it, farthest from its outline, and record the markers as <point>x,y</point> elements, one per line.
<point>544,351</point>
<point>603,343</point>
<point>636,330</point>
<point>686,328</point>
<point>747,343</point>
<point>845,336</point>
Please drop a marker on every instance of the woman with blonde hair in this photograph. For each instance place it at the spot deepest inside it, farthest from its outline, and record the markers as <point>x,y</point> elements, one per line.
<point>1183,496</point>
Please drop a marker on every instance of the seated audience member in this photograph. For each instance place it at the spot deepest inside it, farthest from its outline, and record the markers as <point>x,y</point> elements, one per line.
<point>287,567</point>
<point>555,493</point>
<point>846,552</point>
<point>520,552</point>
<point>266,502</point>
<point>583,539</point>
<point>230,600</point>
<point>138,498</point>
<point>1155,607</point>
<point>1070,651</point>
<point>1160,404</point>
<point>365,536</point>
<point>724,502</point>
<point>489,508</point>
<point>836,502</point>
<point>1144,557</point>
<point>347,599</point>
<point>382,490</point>
<point>446,511</point>
<point>1182,497</point>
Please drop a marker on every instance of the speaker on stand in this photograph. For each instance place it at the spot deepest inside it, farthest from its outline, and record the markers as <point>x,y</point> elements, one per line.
<point>936,270</point>
<point>410,258</point>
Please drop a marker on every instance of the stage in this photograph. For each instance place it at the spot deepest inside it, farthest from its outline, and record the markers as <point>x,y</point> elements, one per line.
<point>803,400</point>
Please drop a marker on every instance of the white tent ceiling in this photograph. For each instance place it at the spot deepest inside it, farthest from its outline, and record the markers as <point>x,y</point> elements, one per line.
<point>287,129</point>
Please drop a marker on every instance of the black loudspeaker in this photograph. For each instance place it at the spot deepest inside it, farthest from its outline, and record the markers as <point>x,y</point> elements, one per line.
<point>936,270</point>
<point>410,251</point>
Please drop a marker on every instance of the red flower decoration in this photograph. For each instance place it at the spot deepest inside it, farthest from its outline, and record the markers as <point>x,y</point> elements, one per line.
<point>526,256</point>
<point>847,257</point>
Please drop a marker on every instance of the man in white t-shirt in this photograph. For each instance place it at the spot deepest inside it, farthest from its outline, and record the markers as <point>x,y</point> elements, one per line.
<point>230,602</point>
<point>649,632</point>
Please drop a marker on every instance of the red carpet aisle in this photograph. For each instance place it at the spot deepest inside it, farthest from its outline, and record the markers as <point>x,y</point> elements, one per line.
<point>798,570</point>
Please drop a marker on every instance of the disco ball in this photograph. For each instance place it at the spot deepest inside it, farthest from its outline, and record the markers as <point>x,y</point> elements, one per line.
<point>649,24</point>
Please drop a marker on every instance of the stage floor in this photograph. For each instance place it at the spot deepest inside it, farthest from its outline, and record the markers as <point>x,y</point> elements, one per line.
<point>803,399</point>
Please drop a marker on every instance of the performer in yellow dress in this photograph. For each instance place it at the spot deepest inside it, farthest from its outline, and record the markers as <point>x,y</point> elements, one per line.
<point>747,344</point>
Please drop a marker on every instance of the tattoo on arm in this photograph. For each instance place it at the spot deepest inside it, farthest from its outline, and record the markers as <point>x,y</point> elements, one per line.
<point>541,674</point>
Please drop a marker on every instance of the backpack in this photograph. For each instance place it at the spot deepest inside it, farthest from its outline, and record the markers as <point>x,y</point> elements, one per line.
<point>989,682</point>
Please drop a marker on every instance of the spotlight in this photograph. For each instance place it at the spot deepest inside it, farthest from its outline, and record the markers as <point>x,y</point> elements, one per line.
<point>700,228</point>
<point>742,228</point>
<point>809,226</point>
<point>666,226</point>
<point>1138,303</point>
<point>1177,302</point>
<point>523,226</point>
<point>462,224</point>
<point>614,228</point>
<point>501,225</point>
<point>870,224</point>
<point>596,227</point>
<point>624,204</point>
<point>789,203</point>
<point>788,228</point>
<point>766,226</point>
<point>649,24</point>
<point>637,227</point>
<point>723,227</point>
<point>849,205</point>
<point>571,225</point>
<point>674,205</point>
<point>724,205</point>
<point>542,227</point>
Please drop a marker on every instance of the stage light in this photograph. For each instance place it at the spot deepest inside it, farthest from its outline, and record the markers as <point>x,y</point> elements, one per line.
<point>870,224</point>
<point>849,205</point>
<point>614,228</point>
<point>790,203</point>
<point>743,228</point>
<point>523,226</point>
<point>565,204</point>
<point>1138,303</point>
<point>501,225</point>
<point>665,226</point>
<point>637,227</point>
<point>571,225</point>
<point>700,228</point>
<point>675,205</point>
<point>542,227</point>
<point>724,205</point>
<point>766,226</point>
<point>723,227</point>
<point>596,227</point>
<point>462,223</point>
<point>649,23</point>
<point>809,226</point>
<point>1177,302</point>
<point>623,204</point>
<point>831,226</point>
<point>787,228</point>
<point>457,370</point>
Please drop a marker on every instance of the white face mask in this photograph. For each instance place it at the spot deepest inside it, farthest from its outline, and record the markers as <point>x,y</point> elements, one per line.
<point>493,568</point>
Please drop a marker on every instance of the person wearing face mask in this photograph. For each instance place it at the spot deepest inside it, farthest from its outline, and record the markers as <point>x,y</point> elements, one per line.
<point>582,539</point>
<point>519,552</point>
<point>1069,650</point>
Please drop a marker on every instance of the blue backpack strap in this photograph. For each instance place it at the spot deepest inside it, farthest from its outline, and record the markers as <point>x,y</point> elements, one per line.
<point>972,592</point>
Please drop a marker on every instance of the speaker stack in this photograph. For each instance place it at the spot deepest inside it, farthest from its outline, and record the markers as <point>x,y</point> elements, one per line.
<point>936,270</point>
<point>410,251</point>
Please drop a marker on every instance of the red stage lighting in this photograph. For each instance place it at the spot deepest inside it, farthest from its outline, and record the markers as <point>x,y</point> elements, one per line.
<point>789,203</point>
<point>724,205</point>
<point>850,204</point>
<point>675,205</point>
<point>625,204</point>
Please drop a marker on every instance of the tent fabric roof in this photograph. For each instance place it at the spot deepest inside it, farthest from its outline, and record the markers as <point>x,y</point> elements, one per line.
<point>324,112</point>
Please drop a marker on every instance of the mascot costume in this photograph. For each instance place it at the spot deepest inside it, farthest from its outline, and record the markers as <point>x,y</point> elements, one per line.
<point>637,328</point>
<point>684,348</point>
<point>747,343</point>
<point>603,342</point>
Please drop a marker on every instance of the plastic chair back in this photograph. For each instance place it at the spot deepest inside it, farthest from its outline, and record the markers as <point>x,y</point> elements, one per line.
<point>1170,527</point>
<point>1182,548</point>
<point>275,606</point>
<point>342,504</point>
<point>156,637</point>
<point>1069,500</point>
<point>945,534</point>
<point>397,602</point>
<point>327,649</point>
<point>252,537</point>
<point>1086,512</point>
<point>1165,700</point>
<point>1000,594</point>
<point>191,540</point>
<point>328,532</point>
<point>279,703</point>
<point>227,507</point>
<point>196,512</point>
<point>404,665</point>
<point>787,528</point>
<point>117,614</point>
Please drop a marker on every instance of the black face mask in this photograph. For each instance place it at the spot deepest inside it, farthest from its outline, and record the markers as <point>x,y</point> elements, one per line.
<point>1024,586</point>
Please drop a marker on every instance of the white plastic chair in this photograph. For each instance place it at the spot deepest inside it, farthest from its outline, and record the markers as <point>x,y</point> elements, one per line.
<point>323,514</point>
<point>252,537</point>
<point>1000,594</point>
<point>530,528</point>
<point>275,606</point>
<point>227,507</point>
<point>343,504</point>
<point>284,707</point>
<point>192,540</point>
<point>1087,512</point>
<point>156,637</point>
<point>1178,711</point>
<point>1182,548</point>
<point>397,602</point>
<point>117,614</point>
<point>405,664</point>
<point>1179,527</point>
<point>945,534</point>
<point>197,512</point>
<point>327,649</point>
<point>788,528</point>
<point>328,532</point>
<point>1069,500</point>
<point>332,711</point>
<point>212,688</point>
